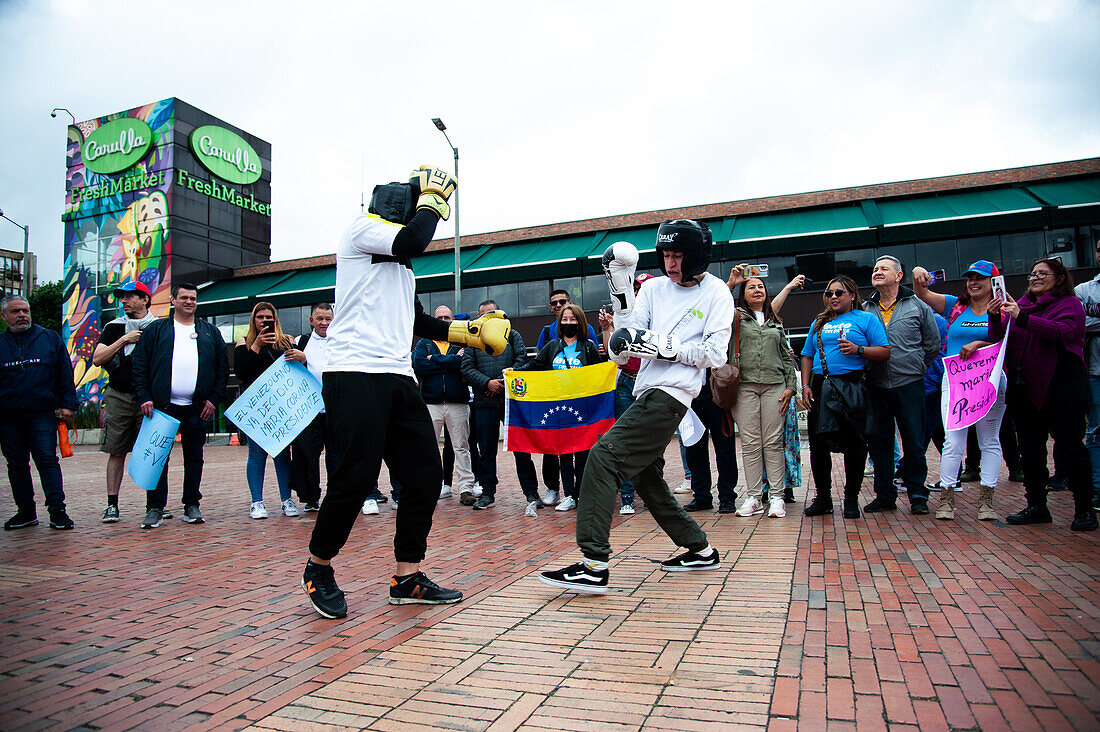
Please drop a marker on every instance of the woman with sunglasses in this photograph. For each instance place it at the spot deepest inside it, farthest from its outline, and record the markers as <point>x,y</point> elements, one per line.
<point>842,339</point>
<point>967,330</point>
<point>1048,387</point>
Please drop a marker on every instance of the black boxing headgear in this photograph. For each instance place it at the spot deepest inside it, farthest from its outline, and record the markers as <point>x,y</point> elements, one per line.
<point>690,237</point>
<point>395,202</point>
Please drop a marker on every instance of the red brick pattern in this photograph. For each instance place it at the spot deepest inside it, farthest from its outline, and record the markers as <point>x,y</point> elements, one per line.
<point>888,622</point>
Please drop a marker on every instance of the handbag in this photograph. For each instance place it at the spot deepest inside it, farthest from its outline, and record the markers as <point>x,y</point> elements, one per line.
<point>725,381</point>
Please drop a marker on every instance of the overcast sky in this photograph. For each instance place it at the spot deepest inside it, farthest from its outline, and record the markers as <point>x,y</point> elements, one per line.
<point>561,110</point>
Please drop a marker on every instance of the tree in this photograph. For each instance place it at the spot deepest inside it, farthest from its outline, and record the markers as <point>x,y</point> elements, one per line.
<point>46,302</point>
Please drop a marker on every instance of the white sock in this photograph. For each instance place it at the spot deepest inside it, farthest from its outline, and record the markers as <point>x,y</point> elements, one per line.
<point>706,552</point>
<point>593,564</point>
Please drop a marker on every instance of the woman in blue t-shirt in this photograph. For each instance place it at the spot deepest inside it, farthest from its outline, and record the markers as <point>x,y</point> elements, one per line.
<point>849,337</point>
<point>569,351</point>
<point>967,330</point>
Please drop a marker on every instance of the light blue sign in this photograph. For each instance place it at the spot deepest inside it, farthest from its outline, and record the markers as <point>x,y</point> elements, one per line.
<point>151,449</point>
<point>278,405</point>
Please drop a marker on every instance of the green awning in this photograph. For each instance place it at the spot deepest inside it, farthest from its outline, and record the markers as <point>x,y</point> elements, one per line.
<point>320,278</point>
<point>1068,192</point>
<point>954,206</point>
<point>797,223</point>
<point>436,263</point>
<point>645,240</point>
<point>241,289</point>
<point>722,230</point>
<point>536,252</point>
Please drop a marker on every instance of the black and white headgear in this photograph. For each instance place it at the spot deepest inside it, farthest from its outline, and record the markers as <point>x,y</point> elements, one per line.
<point>395,201</point>
<point>692,238</point>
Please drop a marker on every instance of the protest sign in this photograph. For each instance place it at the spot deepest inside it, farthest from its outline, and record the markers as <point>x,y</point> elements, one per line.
<point>151,449</point>
<point>971,385</point>
<point>278,405</point>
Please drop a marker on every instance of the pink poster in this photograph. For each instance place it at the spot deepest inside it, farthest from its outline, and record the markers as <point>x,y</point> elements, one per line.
<point>971,385</point>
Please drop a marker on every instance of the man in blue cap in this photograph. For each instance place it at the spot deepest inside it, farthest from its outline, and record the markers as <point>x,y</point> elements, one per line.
<point>121,413</point>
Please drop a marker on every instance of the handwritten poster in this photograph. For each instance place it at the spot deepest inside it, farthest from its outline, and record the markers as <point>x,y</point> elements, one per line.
<point>278,405</point>
<point>971,385</point>
<point>151,449</point>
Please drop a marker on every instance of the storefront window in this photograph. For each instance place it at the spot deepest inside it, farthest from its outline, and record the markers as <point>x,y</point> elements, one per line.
<point>472,297</point>
<point>856,263</point>
<point>934,255</point>
<point>1061,243</point>
<point>533,297</point>
<point>980,247</point>
<point>595,292</point>
<point>506,296</point>
<point>573,285</point>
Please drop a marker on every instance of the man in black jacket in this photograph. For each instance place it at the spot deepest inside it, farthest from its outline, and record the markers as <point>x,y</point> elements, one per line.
<point>180,368</point>
<point>438,367</point>
<point>485,374</point>
<point>36,378</point>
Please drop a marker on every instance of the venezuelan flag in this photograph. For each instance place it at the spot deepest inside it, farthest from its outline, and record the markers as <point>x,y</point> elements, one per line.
<point>559,412</point>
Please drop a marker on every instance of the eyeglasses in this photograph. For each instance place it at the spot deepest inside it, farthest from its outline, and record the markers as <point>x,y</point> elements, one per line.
<point>558,303</point>
<point>835,293</point>
<point>1039,275</point>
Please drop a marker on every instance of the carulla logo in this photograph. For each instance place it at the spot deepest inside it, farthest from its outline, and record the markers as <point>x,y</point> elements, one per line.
<point>116,145</point>
<point>238,158</point>
<point>226,154</point>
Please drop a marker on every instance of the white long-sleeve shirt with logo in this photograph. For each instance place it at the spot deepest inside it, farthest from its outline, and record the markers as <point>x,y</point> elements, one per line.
<point>701,316</point>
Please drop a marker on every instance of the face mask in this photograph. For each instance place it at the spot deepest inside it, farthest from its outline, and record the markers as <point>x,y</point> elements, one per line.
<point>569,330</point>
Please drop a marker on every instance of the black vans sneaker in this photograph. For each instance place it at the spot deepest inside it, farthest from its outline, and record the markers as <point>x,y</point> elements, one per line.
<point>60,520</point>
<point>419,590</point>
<point>21,520</point>
<point>578,577</point>
<point>691,561</point>
<point>319,582</point>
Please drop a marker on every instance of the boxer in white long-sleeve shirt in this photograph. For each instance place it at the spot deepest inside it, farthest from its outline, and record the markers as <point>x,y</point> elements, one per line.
<point>679,325</point>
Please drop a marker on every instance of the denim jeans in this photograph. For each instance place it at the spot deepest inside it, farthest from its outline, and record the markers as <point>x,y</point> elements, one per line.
<point>1092,437</point>
<point>254,471</point>
<point>26,434</point>
<point>193,438</point>
<point>624,397</point>
<point>725,452</point>
<point>488,421</point>
<point>903,405</point>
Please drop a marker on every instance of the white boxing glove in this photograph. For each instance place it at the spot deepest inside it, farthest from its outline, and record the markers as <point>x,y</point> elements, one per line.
<point>627,342</point>
<point>619,261</point>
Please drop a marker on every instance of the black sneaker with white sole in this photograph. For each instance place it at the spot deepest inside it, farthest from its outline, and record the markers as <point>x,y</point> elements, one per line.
<point>419,590</point>
<point>319,582</point>
<point>154,517</point>
<point>21,520</point>
<point>691,561</point>
<point>578,577</point>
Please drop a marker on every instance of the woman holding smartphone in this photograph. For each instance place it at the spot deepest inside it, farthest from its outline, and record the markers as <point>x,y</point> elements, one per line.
<point>967,330</point>
<point>263,345</point>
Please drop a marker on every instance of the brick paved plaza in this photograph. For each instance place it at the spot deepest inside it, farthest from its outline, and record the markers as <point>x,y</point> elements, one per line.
<point>889,622</point>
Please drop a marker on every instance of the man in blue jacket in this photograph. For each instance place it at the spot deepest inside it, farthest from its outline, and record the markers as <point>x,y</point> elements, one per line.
<point>438,367</point>
<point>180,368</point>
<point>36,378</point>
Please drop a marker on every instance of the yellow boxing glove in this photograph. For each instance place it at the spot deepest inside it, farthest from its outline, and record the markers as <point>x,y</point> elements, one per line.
<point>434,180</point>
<point>434,202</point>
<point>488,333</point>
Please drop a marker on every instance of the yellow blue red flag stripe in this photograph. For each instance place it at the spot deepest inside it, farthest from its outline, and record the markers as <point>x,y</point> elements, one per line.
<point>559,412</point>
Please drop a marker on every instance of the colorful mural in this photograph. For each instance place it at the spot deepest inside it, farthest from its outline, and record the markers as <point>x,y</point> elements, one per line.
<point>116,230</point>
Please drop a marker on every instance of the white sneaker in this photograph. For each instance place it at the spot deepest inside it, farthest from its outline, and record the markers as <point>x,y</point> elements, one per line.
<point>627,509</point>
<point>532,509</point>
<point>370,507</point>
<point>776,509</point>
<point>445,491</point>
<point>551,497</point>
<point>567,504</point>
<point>752,507</point>
<point>290,508</point>
<point>684,487</point>
<point>258,510</point>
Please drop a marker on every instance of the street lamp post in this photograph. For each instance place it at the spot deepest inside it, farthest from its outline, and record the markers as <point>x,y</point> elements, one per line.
<point>62,109</point>
<point>25,290</point>
<point>458,257</point>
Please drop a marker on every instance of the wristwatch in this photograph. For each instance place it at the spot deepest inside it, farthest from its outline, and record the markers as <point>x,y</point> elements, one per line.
<point>860,350</point>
